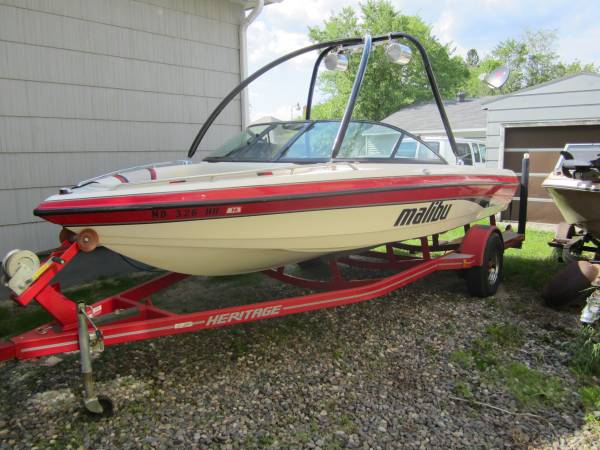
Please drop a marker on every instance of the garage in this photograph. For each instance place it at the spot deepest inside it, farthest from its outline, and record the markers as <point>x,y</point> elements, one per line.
<point>540,121</point>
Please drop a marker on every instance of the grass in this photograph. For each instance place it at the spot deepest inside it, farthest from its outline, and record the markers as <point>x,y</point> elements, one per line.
<point>531,387</point>
<point>485,354</point>
<point>492,354</point>
<point>585,352</point>
<point>13,322</point>
<point>104,287</point>
<point>462,358</point>
<point>590,397</point>
<point>532,265</point>
<point>485,351</point>
<point>462,389</point>
<point>16,320</point>
<point>506,335</point>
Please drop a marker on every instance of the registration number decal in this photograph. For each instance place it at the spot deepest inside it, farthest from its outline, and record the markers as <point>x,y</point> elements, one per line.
<point>162,214</point>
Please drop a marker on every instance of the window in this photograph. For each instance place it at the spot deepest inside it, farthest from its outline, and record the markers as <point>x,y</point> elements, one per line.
<point>482,150</point>
<point>476,152</point>
<point>259,143</point>
<point>238,141</point>
<point>313,141</point>
<point>410,148</point>
<point>362,140</point>
<point>464,153</point>
<point>407,148</point>
<point>434,145</point>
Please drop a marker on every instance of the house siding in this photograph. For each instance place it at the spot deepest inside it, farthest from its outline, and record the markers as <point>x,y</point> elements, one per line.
<point>90,86</point>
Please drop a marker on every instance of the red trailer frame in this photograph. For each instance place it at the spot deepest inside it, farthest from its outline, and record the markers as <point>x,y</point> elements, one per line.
<point>131,316</point>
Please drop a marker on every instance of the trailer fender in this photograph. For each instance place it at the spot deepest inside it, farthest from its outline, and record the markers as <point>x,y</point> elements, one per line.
<point>476,239</point>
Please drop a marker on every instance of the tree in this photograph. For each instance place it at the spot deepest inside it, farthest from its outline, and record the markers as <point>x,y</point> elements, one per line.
<point>531,59</point>
<point>472,58</point>
<point>386,87</point>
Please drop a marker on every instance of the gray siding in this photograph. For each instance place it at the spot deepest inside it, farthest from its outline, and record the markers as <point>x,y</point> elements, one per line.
<point>572,100</point>
<point>90,86</point>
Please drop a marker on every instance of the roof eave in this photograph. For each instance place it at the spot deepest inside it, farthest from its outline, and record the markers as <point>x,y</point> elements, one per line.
<point>536,86</point>
<point>249,4</point>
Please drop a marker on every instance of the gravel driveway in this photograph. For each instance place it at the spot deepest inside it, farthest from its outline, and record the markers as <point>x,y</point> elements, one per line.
<point>387,373</point>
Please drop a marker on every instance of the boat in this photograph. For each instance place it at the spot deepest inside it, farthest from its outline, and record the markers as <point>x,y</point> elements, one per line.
<point>574,185</point>
<point>285,192</point>
<point>276,194</point>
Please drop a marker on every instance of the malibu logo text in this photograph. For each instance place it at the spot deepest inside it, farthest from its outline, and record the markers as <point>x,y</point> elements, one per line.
<point>414,216</point>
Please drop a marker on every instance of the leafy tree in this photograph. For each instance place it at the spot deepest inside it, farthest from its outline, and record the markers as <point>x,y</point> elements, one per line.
<point>386,87</point>
<point>472,58</point>
<point>531,59</point>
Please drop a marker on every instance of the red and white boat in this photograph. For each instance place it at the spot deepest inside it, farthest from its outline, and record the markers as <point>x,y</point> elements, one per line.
<point>276,194</point>
<point>228,217</point>
<point>285,192</point>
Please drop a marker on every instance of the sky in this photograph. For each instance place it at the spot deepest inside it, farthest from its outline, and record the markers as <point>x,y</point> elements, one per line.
<point>464,24</point>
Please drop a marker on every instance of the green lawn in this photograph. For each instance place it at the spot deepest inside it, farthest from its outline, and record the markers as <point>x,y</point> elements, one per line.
<point>532,265</point>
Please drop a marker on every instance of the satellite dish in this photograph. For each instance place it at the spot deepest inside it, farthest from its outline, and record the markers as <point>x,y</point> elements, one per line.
<point>497,77</point>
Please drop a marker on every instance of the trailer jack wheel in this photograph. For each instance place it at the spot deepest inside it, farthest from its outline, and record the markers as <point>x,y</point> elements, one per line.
<point>101,406</point>
<point>483,281</point>
<point>95,405</point>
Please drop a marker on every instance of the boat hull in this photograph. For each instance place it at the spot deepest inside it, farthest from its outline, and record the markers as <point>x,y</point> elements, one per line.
<point>278,216</point>
<point>236,245</point>
<point>578,206</point>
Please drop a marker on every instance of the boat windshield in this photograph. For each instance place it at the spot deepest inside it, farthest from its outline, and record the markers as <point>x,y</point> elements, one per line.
<point>311,141</point>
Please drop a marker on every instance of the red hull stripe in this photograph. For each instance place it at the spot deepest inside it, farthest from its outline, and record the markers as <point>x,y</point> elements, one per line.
<point>235,195</point>
<point>185,210</point>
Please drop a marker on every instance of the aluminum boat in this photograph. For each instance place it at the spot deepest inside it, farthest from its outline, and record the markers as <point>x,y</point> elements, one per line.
<point>285,192</point>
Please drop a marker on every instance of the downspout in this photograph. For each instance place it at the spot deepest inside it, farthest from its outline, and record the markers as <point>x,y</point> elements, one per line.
<point>246,21</point>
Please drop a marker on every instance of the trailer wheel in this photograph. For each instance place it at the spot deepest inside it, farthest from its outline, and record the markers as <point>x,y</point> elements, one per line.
<point>483,281</point>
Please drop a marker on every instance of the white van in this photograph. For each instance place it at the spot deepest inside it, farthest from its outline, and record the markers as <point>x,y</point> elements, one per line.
<point>471,151</point>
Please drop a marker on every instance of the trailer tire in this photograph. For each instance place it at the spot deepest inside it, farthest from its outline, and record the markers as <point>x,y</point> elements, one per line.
<point>483,281</point>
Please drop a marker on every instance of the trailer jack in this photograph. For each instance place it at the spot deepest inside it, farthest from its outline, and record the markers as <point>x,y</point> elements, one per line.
<point>94,404</point>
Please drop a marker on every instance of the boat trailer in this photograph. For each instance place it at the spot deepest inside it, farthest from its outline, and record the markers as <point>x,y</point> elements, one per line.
<point>131,315</point>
